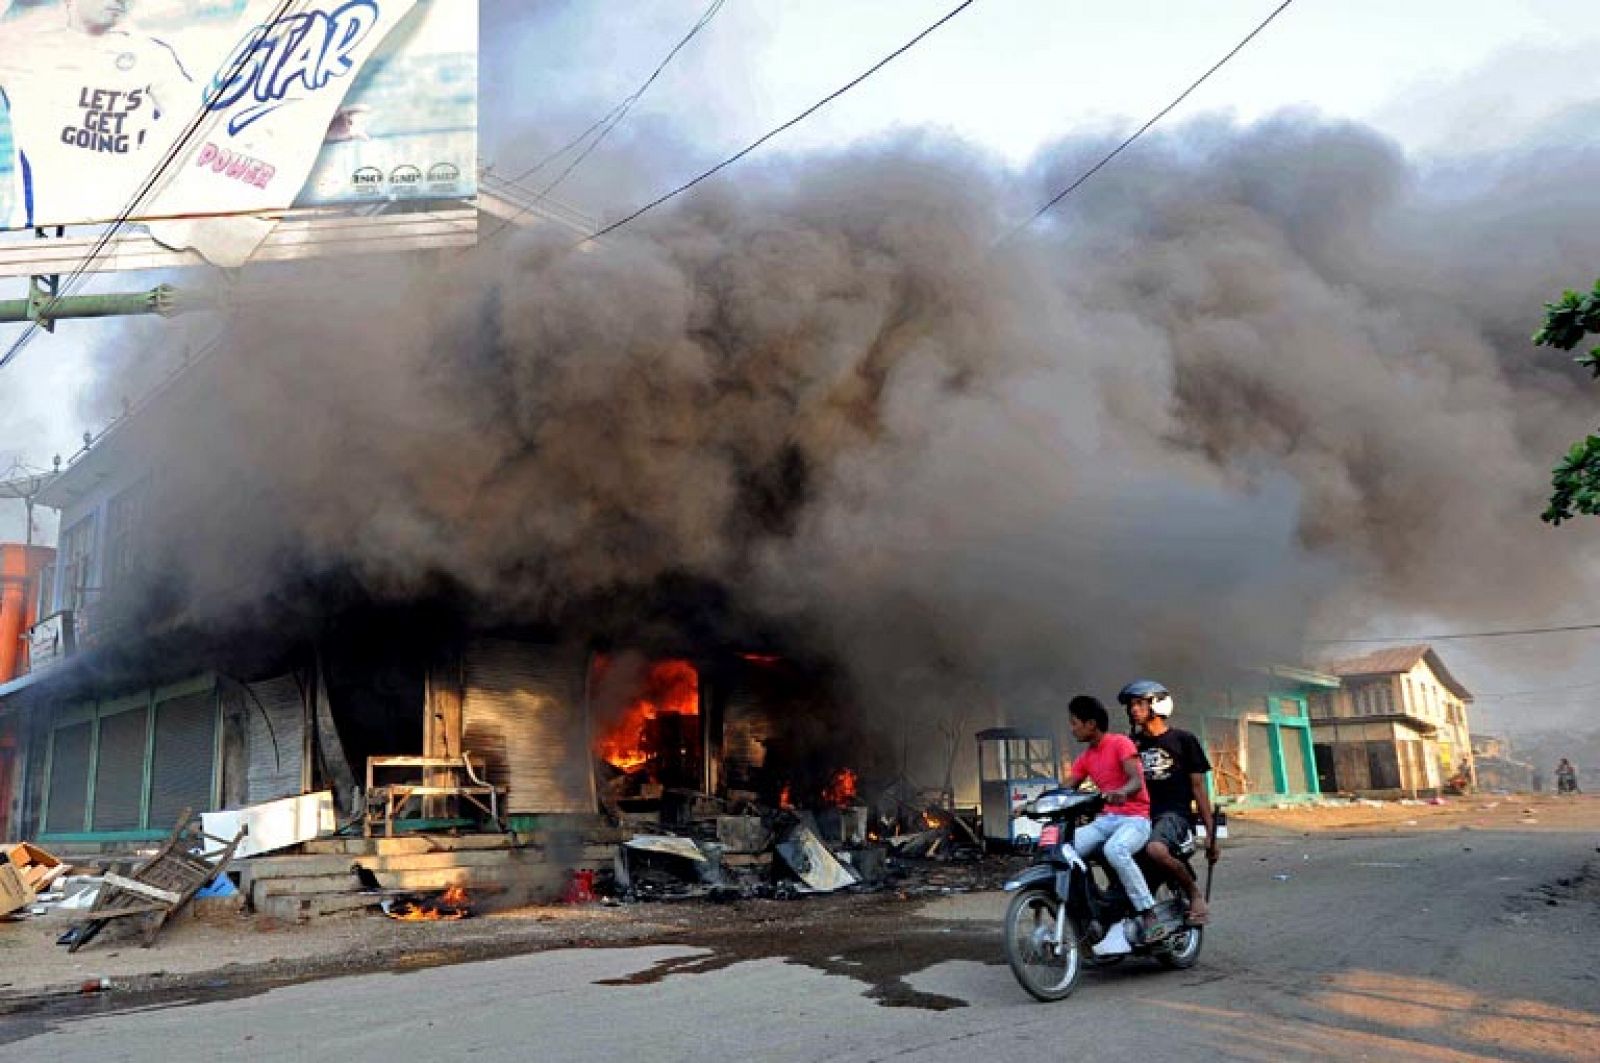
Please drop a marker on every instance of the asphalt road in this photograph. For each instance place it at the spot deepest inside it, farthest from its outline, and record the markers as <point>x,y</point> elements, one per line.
<point>1435,946</point>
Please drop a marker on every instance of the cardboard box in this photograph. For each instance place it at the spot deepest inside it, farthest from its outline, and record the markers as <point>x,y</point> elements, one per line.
<point>37,867</point>
<point>14,893</point>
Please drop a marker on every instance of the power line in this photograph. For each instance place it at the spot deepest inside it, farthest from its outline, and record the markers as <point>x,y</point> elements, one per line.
<point>1137,133</point>
<point>605,124</point>
<point>791,123</point>
<point>181,145</point>
<point>1563,688</point>
<point>1506,633</point>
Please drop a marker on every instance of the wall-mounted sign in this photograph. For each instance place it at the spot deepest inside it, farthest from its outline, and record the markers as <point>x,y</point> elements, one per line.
<point>50,641</point>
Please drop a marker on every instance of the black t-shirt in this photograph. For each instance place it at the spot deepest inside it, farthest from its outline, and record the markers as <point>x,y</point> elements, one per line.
<point>1169,760</point>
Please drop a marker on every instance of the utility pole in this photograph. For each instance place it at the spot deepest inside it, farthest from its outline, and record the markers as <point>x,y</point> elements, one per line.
<point>44,307</point>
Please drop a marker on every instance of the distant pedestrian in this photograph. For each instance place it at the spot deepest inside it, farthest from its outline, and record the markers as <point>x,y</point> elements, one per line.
<point>1566,777</point>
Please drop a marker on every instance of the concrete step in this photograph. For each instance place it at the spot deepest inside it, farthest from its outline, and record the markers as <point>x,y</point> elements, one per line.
<point>271,899</point>
<point>304,909</point>
<point>262,867</point>
<point>434,879</point>
<point>432,843</point>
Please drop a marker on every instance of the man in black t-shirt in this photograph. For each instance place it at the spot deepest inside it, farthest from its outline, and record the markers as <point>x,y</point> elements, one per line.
<point>1175,767</point>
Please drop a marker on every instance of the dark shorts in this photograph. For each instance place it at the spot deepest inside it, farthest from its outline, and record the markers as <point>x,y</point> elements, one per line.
<point>1173,830</point>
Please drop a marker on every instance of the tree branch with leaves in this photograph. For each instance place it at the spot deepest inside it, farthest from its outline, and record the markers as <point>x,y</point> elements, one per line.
<point>1575,482</point>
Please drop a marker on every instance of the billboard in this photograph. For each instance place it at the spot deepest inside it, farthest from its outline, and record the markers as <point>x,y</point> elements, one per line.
<point>256,106</point>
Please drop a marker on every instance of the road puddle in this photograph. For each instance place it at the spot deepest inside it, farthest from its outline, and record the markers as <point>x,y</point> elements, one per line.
<point>882,964</point>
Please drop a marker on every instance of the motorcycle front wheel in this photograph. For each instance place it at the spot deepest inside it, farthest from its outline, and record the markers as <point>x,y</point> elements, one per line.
<point>1048,969</point>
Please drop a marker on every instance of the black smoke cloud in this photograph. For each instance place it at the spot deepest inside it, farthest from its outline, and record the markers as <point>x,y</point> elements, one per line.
<point>1250,379</point>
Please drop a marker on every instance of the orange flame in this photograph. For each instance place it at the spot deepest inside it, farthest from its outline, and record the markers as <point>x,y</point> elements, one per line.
<point>415,913</point>
<point>785,796</point>
<point>670,688</point>
<point>841,790</point>
<point>451,905</point>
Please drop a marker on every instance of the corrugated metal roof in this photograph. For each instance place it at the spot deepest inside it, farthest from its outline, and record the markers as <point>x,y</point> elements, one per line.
<point>1393,660</point>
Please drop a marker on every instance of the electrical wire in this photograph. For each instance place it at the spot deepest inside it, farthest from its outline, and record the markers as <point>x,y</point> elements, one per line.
<point>791,123</point>
<point>75,279</point>
<point>605,125</point>
<point>1137,133</point>
<point>1506,633</point>
<point>1537,692</point>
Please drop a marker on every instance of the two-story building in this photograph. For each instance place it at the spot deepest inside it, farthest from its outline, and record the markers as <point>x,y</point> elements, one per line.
<point>151,699</point>
<point>155,705</point>
<point>137,705</point>
<point>119,725</point>
<point>1397,724</point>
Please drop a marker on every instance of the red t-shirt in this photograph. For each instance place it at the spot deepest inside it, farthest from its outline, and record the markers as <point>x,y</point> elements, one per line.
<point>1102,762</point>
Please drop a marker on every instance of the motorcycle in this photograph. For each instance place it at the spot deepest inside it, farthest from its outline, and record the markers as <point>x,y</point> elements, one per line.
<point>1067,914</point>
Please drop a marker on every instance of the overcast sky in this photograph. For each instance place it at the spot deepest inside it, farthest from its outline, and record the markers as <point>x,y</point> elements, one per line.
<point>1447,79</point>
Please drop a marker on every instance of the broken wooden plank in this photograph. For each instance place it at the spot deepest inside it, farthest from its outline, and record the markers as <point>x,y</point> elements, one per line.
<point>155,893</point>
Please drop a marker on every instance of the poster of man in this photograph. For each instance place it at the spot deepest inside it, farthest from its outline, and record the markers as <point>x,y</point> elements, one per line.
<point>211,109</point>
<point>86,91</point>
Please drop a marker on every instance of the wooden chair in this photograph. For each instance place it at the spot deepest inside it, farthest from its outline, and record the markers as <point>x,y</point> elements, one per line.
<point>162,884</point>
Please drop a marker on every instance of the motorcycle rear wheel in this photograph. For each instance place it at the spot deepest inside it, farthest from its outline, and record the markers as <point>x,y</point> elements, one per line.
<point>1179,951</point>
<point>1047,970</point>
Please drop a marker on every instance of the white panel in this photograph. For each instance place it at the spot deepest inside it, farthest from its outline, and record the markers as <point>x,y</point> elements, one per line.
<point>275,824</point>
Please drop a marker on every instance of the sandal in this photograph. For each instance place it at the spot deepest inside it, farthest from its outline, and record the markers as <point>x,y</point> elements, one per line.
<point>1151,929</point>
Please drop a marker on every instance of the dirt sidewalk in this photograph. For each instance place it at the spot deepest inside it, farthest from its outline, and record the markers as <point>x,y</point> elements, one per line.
<point>1474,812</point>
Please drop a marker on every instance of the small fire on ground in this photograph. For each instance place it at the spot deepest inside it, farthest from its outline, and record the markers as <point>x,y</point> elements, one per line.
<point>448,906</point>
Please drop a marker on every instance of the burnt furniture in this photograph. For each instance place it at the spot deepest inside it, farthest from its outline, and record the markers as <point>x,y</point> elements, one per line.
<point>451,777</point>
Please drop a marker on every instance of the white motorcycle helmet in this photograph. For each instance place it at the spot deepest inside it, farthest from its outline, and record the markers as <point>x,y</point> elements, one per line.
<point>1160,699</point>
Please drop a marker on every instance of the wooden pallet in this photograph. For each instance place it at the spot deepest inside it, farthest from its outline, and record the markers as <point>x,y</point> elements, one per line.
<point>162,885</point>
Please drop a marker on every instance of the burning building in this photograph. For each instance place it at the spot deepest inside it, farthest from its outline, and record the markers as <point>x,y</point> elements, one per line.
<point>158,704</point>
<point>248,680</point>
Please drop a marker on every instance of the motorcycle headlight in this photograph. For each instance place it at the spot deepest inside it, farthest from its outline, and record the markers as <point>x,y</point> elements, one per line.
<point>1045,804</point>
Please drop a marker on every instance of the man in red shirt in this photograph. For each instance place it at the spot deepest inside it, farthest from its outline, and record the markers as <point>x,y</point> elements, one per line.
<point>1112,763</point>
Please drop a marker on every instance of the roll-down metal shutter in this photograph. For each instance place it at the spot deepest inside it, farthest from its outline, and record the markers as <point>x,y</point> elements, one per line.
<point>119,770</point>
<point>275,736</point>
<point>69,779</point>
<point>523,713</point>
<point>746,729</point>
<point>185,757</point>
